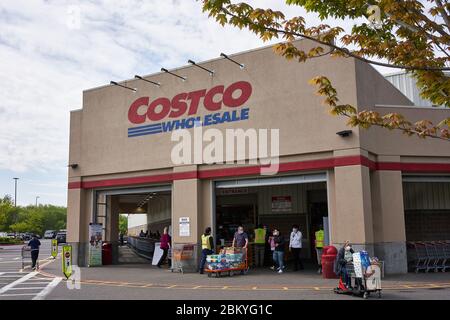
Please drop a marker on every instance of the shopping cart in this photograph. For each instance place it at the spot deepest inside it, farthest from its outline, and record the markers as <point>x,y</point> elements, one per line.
<point>417,256</point>
<point>242,268</point>
<point>183,257</point>
<point>361,286</point>
<point>26,258</point>
<point>429,256</point>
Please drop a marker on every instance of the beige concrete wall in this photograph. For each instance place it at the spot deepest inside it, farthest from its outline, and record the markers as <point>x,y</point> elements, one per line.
<point>74,214</point>
<point>281,99</point>
<point>206,207</point>
<point>185,203</point>
<point>372,92</point>
<point>353,211</point>
<point>388,212</point>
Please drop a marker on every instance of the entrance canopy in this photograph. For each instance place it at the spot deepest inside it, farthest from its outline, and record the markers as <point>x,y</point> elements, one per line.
<point>272,181</point>
<point>122,191</point>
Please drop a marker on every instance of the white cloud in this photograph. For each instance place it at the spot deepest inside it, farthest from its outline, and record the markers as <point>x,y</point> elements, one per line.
<point>46,61</point>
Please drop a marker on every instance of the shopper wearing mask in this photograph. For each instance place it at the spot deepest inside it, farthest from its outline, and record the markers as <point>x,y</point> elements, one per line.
<point>295,247</point>
<point>345,255</point>
<point>271,242</point>
<point>279,250</point>
<point>240,238</point>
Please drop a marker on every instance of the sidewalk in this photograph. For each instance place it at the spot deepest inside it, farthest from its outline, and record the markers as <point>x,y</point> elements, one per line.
<point>259,279</point>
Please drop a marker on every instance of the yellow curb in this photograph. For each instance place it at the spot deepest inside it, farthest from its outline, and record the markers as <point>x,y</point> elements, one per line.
<point>240,288</point>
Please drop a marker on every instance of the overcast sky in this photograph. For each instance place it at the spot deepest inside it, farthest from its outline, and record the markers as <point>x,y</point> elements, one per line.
<point>52,50</point>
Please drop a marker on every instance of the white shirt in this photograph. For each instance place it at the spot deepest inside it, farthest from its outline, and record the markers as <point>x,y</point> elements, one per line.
<point>296,240</point>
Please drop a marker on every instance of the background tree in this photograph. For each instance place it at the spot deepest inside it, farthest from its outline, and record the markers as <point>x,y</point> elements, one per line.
<point>31,218</point>
<point>403,34</point>
<point>123,224</point>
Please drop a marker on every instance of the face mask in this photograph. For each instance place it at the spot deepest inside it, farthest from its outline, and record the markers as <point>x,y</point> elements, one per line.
<point>347,248</point>
<point>275,233</point>
<point>295,230</point>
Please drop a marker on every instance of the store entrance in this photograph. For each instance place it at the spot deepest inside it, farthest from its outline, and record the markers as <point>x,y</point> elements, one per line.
<point>133,219</point>
<point>318,216</point>
<point>276,206</point>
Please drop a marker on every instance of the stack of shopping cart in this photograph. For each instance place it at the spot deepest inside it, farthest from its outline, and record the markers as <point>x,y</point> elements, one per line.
<point>428,255</point>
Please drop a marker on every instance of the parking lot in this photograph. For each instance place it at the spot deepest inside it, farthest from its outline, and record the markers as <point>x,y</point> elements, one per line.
<point>24,284</point>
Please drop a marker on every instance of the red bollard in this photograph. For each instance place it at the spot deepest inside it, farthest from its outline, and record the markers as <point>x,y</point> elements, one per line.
<point>328,257</point>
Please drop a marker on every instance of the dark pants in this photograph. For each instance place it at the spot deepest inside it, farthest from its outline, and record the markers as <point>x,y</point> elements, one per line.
<point>346,276</point>
<point>34,257</point>
<point>297,260</point>
<point>163,257</point>
<point>205,252</point>
<point>260,250</point>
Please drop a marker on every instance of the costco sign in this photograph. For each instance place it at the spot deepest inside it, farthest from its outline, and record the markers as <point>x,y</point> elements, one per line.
<point>169,111</point>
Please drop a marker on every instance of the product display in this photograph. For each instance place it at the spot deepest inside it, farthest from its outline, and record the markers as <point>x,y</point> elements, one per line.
<point>225,261</point>
<point>228,260</point>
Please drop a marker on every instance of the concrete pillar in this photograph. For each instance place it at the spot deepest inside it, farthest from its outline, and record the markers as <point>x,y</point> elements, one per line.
<point>352,216</point>
<point>389,220</point>
<point>112,225</point>
<point>185,203</point>
<point>77,222</point>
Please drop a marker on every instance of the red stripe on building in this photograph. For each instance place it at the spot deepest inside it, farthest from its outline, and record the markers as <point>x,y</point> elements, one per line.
<point>414,167</point>
<point>310,165</point>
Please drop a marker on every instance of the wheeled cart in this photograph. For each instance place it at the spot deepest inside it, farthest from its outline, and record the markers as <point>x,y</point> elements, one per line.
<point>226,263</point>
<point>361,286</point>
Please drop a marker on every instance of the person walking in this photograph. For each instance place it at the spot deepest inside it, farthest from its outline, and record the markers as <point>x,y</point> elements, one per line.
<point>279,250</point>
<point>271,242</point>
<point>34,244</point>
<point>295,247</point>
<point>319,238</point>
<point>165,246</point>
<point>240,238</point>
<point>260,245</point>
<point>121,239</point>
<point>207,248</point>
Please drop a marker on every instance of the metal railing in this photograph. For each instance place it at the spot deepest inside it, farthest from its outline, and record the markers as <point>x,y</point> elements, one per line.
<point>143,246</point>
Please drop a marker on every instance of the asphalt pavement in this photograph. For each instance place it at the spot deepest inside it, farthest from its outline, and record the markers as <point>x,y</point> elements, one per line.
<point>17,283</point>
<point>146,282</point>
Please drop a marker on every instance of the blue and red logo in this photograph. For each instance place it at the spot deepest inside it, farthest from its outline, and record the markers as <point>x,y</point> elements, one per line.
<point>144,110</point>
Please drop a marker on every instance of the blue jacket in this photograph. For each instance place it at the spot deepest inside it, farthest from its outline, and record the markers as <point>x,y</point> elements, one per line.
<point>34,244</point>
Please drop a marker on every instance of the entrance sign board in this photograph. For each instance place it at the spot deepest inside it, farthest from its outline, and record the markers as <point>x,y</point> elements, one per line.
<point>95,245</point>
<point>281,204</point>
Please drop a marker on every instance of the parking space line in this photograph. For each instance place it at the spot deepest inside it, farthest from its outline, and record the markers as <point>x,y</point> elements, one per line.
<point>12,284</point>
<point>33,283</point>
<point>17,294</point>
<point>41,295</point>
<point>27,288</point>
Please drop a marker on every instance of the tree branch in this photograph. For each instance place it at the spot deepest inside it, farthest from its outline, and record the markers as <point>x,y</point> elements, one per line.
<point>338,48</point>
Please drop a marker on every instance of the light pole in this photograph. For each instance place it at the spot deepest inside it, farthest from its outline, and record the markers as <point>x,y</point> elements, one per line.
<point>37,197</point>
<point>15,191</point>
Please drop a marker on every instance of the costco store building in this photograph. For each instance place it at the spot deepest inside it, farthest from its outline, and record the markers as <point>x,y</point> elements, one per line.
<point>375,188</point>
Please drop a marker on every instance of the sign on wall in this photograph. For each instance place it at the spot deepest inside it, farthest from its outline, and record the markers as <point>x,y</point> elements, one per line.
<point>166,114</point>
<point>184,227</point>
<point>95,244</point>
<point>281,204</point>
<point>231,191</point>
